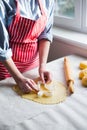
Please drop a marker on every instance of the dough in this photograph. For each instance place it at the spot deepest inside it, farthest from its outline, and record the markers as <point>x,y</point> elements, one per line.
<point>84,81</point>
<point>83,73</point>
<point>83,64</point>
<point>59,93</point>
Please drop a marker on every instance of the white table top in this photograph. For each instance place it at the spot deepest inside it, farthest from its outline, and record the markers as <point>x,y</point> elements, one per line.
<point>17,113</point>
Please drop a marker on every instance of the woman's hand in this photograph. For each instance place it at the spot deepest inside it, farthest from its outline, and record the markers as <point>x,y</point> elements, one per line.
<point>27,85</point>
<point>45,75</point>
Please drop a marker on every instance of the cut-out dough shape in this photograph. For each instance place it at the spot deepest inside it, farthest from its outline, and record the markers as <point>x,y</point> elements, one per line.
<point>59,94</point>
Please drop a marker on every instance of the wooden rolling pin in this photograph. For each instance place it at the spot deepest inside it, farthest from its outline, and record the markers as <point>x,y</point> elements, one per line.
<point>68,76</point>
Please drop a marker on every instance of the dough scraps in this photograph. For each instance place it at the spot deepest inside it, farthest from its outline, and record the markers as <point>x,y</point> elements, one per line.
<point>59,93</point>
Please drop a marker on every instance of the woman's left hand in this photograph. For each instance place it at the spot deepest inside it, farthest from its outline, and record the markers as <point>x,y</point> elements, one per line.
<point>45,75</point>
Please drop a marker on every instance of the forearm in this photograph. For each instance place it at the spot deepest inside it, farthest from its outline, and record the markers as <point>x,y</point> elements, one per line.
<point>44,46</point>
<point>24,83</point>
<point>11,67</point>
<point>45,75</point>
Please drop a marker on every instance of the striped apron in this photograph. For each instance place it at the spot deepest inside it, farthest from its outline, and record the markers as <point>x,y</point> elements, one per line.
<point>23,41</point>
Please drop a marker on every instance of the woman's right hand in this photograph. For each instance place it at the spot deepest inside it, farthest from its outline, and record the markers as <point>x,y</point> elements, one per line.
<point>27,85</point>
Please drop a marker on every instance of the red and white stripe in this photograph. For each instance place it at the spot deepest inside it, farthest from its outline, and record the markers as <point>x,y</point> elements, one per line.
<point>23,34</point>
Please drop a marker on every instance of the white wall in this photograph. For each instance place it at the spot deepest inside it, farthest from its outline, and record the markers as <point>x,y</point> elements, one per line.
<point>60,48</point>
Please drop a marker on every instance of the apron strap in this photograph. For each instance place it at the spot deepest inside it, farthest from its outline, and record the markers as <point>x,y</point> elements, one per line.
<point>17,9</point>
<point>40,6</point>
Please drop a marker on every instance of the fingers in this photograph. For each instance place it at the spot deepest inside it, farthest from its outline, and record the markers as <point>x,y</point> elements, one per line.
<point>46,77</point>
<point>33,85</point>
<point>42,78</point>
<point>28,85</point>
<point>26,88</point>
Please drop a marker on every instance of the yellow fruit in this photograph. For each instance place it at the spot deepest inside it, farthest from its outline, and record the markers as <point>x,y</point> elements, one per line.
<point>83,65</point>
<point>84,81</point>
<point>83,73</point>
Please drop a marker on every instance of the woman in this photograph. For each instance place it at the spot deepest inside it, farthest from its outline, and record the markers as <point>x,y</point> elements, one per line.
<point>25,37</point>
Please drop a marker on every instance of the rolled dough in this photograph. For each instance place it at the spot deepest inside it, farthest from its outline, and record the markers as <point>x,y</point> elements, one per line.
<point>59,93</point>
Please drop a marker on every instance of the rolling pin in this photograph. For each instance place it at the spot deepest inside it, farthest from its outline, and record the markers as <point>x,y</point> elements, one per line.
<point>68,76</point>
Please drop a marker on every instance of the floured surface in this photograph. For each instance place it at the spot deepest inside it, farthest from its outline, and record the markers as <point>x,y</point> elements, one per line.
<point>17,113</point>
<point>59,94</point>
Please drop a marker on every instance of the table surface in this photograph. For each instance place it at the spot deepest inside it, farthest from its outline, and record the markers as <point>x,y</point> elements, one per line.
<point>17,113</point>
